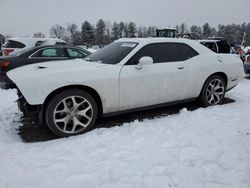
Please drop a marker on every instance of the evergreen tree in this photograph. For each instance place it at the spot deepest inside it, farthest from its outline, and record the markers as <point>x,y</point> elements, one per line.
<point>131,29</point>
<point>121,29</point>
<point>207,30</point>
<point>195,29</point>
<point>126,31</point>
<point>87,33</point>
<point>108,36</point>
<point>115,31</point>
<point>100,32</point>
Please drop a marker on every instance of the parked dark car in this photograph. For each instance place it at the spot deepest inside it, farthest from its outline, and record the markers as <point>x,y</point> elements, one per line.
<point>37,55</point>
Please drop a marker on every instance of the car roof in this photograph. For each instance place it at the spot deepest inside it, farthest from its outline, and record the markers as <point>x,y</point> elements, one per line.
<point>58,45</point>
<point>33,41</point>
<point>152,40</point>
<point>208,40</point>
<point>145,41</point>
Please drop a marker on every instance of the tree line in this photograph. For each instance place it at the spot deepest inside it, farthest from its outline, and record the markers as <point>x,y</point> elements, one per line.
<point>104,32</point>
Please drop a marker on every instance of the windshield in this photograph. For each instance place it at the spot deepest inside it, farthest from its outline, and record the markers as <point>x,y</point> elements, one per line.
<point>113,53</point>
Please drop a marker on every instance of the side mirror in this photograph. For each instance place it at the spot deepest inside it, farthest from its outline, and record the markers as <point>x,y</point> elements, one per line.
<point>146,60</point>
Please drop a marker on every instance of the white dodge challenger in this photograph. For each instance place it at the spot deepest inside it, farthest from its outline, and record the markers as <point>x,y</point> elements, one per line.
<point>127,75</point>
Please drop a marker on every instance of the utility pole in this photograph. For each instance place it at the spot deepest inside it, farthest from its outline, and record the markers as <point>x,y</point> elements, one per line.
<point>243,40</point>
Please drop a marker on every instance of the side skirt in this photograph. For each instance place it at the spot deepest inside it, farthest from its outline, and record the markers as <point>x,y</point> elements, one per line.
<point>148,107</point>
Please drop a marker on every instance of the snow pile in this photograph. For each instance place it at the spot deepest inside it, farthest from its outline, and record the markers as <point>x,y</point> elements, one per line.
<point>9,117</point>
<point>206,148</point>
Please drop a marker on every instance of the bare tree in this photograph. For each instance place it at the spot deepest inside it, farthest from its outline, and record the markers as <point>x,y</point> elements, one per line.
<point>74,34</point>
<point>38,35</point>
<point>57,31</point>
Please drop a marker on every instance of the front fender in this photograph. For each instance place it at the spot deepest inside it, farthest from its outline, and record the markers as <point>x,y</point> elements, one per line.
<point>37,87</point>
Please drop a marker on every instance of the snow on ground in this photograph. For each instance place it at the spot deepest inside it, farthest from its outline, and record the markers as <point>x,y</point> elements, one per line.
<point>206,148</point>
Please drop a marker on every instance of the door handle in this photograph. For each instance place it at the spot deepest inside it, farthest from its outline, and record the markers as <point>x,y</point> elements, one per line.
<point>180,68</point>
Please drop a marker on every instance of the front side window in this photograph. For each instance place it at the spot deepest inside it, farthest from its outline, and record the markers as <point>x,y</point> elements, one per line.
<point>160,52</point>
<point>75,53</point>
<point>50,52</point>
<point>113,53</point>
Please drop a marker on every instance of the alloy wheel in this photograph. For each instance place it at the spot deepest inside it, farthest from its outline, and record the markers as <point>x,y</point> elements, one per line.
<point>215,91</point>
<point>73,114</point>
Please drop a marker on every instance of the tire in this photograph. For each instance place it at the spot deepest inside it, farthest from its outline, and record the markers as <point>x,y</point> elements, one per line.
<point>213,91</point>
<point>71,112</point>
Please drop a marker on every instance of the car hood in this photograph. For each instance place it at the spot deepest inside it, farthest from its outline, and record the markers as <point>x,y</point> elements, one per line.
<point>53,67</point>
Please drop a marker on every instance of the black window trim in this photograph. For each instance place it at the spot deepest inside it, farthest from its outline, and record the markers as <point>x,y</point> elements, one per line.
<point>225,44</point>
<point>77,49</point>
<point>165,43</point>
<point>188,47</point>
<point>31,56</point>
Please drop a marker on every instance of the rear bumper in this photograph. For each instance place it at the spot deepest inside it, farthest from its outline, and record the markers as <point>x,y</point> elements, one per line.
<point>5,82</point>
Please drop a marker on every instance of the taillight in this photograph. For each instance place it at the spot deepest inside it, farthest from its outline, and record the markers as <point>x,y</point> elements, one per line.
<point>4,64</point>
<point>8,51</point>
<point>248,58</point>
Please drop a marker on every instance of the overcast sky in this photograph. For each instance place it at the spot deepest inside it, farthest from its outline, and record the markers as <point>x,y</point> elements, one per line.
<point>25,17</point>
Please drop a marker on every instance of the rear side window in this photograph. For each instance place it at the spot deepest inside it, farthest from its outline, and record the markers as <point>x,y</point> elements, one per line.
<point>186,51</point>
<point>210,45</point>
<point>13,44</point>
<point>223,47</point>
<point>50,52</point>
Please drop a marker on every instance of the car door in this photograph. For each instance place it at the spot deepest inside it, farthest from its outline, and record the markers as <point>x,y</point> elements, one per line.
<point>48,54</point>
<point>161,82</point>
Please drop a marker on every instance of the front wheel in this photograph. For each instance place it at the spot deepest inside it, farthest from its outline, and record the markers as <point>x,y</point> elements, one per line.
<point>71,112</point>
<point>213,91</point>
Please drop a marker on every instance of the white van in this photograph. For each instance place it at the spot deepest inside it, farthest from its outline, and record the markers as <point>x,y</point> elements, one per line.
<point>17,44</point>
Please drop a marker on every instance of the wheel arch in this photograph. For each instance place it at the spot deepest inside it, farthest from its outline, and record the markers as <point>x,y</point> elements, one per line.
<point>87,89</point>
<point>222,74</point>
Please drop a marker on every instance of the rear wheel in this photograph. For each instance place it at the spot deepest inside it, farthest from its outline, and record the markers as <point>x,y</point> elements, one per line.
<point>71,112</point>
<point>213,91</point>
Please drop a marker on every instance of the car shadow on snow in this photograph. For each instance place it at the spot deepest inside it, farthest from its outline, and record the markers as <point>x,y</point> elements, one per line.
<point>33,132</point>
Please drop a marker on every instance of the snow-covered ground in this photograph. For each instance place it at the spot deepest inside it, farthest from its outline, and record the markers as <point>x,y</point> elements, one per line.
<point>205,148</point>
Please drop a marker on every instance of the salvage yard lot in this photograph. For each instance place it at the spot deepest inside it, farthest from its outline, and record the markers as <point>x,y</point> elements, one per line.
<point>205,148</point>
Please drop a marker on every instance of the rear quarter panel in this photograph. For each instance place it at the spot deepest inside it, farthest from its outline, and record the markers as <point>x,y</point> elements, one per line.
<point>204,65</point>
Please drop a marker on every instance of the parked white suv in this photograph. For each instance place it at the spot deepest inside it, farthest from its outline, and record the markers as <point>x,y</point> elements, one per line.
<point>17,44</point>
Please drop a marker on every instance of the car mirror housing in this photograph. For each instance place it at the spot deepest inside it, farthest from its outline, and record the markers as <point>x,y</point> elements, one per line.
<point>146,60</point>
